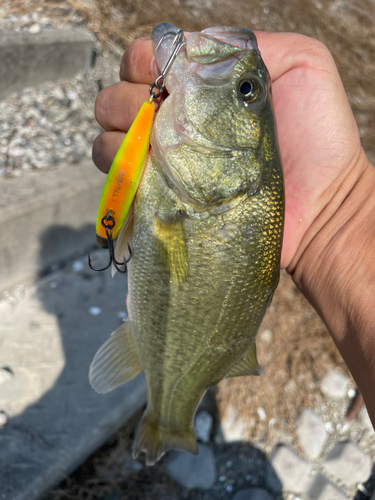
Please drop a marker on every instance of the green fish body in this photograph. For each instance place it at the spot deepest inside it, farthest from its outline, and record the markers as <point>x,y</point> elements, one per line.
<point>207,235</point>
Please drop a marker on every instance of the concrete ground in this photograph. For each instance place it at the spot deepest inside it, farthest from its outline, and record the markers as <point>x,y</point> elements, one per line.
<point>52,419</point>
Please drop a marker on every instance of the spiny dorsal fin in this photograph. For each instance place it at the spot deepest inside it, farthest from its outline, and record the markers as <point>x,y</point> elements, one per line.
<point>172,238</point>
<point>247,366</point>
<point>124,238</point>
<point>116,362</point>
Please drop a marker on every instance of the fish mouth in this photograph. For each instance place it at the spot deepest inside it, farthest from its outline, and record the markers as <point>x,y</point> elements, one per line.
<point>211,53</point>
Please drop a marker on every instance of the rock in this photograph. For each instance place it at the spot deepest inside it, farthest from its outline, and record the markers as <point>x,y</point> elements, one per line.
<point>321,488</point>
<point>3,418</point>
<point>312,433</point>
<point>266,336</point>
<point>292,471</point>
<point>193,471</point>
<point>5,375</point>
<point>203,425</point>
<point>232,428</point>
<point>349,463</point>
<point>335,385</point>
<point>365,419</point>
<point>252,494</point>
<point>35,28</point>
<point>272,481</point>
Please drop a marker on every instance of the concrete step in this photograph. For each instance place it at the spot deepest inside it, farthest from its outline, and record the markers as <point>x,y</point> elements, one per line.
<point>46,217</point>
<point>28,59</point>
<point>51,420</point>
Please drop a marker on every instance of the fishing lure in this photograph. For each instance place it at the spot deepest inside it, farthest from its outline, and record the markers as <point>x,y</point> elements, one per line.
<point>126,170</point>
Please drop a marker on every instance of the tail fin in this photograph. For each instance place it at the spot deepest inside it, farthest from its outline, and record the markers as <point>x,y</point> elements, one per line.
<point>155,440</point>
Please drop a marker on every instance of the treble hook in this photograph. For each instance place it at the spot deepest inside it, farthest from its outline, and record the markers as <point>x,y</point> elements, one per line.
<point>108,222</point>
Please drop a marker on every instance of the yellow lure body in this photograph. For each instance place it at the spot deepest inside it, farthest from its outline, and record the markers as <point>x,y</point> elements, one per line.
<point>125,173</point>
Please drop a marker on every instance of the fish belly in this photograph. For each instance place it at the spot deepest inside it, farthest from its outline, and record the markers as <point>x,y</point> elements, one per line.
<point>190,332</point>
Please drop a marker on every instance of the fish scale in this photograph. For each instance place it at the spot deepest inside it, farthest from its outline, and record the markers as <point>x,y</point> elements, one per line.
<point>207,236</point>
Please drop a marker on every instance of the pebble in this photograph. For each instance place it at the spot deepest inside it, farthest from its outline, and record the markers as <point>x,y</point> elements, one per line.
<point>95,311</point>
<point>335,385</point>
<point>232,428</point>
<point>312,434</point>
<point>348,463</point>
<point>203,426</point>
<point>193,471</point>
<point>252,494</point>
<point>266,336</point>
<point>3,418</point>
<point>78,266</point>
<point>35,28</point>
<point>321,488</point>
<point>122,315</point>
<point>292,471</point>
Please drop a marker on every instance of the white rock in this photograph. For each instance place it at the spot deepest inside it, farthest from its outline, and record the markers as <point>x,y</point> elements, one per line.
<point>266,336</point>
<point>349,463</point>
<point>203,425</point>
<point>5,375</point>
<point>95,311</point>
<point>232,428</point>
<point>193,471</point>
<point>292,471</point>
<point>3,418</point>
<point>312,433</point>
<point>335,385</point>
<point>321,488</point>
<point>34,28</point>
<point>77,266</point>
<point>262,414</point>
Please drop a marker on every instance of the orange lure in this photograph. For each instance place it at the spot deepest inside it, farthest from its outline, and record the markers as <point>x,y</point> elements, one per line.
<point>125,174</point>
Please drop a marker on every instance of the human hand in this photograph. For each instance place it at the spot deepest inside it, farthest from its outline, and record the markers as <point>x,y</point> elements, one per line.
<point>318,136</point>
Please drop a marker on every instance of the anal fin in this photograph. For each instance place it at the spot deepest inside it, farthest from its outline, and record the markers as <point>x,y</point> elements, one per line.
<point>116,362</point>
<point>247,366</point>
<point>172,241</point>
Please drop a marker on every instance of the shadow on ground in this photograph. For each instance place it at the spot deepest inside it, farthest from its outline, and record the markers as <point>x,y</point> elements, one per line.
<point>56,433</point>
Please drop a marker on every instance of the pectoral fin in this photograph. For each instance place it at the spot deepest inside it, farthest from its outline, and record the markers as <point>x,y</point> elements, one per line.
<point>171,237</point>
<point>116,362</point>
<point>247,366</point>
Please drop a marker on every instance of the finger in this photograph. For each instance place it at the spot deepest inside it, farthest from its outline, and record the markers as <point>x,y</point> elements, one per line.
<point>138,64</point>
<point>116,106</point>
<point>283,52</point>
<point>105,148</point>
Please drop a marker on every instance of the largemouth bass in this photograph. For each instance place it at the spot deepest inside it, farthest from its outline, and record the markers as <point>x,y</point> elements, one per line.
<point>206,236</point>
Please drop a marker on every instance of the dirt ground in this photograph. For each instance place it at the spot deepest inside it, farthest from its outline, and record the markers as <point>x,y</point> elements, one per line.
<point>296,351</point>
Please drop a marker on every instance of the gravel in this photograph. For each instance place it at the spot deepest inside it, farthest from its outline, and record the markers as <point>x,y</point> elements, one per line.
<point>41,127</point>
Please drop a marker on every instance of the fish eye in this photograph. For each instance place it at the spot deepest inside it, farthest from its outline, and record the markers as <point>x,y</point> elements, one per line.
<point>248,90</point>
